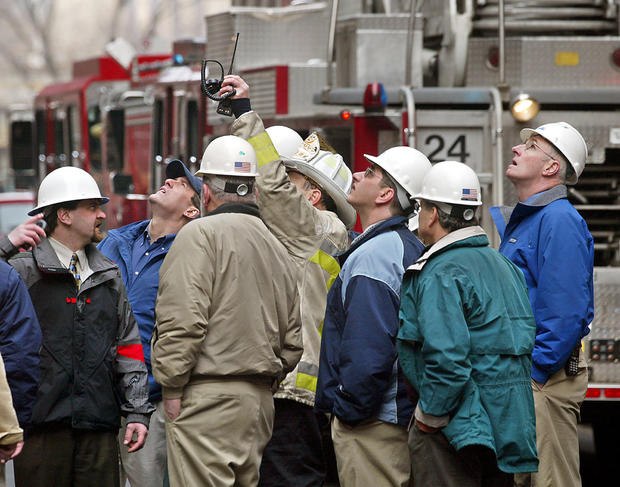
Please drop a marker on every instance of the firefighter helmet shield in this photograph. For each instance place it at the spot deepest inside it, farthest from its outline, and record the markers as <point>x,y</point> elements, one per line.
<point>229,156</point>
<point>285,140</point>
<point>329,171</point>
<point>451,182</point>
<point>407,167</point>
<point>567,140</point>
<point>65,184</point>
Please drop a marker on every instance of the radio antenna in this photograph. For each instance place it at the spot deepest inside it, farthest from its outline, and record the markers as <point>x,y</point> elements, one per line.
<point>232,59</point>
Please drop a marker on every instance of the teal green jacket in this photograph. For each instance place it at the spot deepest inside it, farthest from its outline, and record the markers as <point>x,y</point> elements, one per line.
<point>465,344</point>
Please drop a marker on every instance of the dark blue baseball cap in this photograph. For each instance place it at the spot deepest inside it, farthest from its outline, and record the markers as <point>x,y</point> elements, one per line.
<point>176,169</point>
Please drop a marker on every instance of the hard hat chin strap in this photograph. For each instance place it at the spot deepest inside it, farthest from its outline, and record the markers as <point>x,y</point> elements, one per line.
<point>463,212</point>
<point>403,199</point>
<point>240,189</point>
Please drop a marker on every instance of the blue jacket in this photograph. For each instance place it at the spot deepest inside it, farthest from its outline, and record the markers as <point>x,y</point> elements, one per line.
<point>549,241</point>
<point>465,344</point>
<point>20,341</point>
<point>141,289</point>
<point>359,375</point>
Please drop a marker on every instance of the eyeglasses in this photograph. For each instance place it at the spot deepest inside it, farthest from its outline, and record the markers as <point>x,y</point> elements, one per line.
<point>370,171</point>
<point>531,144</point>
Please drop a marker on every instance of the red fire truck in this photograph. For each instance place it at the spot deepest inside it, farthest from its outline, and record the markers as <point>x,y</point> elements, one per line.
<point>74,125</point>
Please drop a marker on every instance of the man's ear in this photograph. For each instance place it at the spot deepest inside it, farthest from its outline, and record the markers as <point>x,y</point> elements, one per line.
<point>386,195</point>
<point>551,168</point>
<point>314,196</point>
<point>434,216</point>
<point>64,216</point>
<point>191,213</point>
<point>206,195</point>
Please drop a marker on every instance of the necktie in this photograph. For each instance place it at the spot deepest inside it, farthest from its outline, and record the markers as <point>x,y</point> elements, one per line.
<point>74,271</point>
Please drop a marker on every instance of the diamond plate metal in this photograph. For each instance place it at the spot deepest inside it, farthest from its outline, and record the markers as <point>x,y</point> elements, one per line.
<point>371,48</point>
<point>350,7</point>
<point>606,323</point>
<point>269,36</point>
<point>304,81</point>
<point>531,62</point>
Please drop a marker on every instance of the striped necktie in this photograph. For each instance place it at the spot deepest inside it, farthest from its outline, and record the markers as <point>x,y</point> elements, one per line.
<point>73,269</point>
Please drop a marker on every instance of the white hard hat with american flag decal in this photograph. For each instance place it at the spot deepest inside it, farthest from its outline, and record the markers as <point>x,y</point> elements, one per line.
<point>229,156</point>
<point>451,182</point>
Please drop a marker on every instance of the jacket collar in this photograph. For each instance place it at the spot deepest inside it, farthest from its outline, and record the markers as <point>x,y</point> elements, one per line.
<point>534,203</point>
<point>65,254</point>
<point>124,238</point>
<point>48,262</point>
<point>390,224</point>
<point>453,239</point>
<point>244,208</point>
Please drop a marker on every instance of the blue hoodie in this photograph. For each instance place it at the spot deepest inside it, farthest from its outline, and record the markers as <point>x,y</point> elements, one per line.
<point>359,375</point>
<point>550,242</point>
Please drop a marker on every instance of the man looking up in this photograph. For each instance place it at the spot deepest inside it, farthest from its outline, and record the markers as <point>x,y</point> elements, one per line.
<point>92,367</point>
<point>550,242</point>
<point>139,250</point>
<point>360,381</point>
<point>228,328</point>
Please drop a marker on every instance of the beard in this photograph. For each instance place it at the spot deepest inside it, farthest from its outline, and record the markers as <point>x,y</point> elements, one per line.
<point>97,235</point>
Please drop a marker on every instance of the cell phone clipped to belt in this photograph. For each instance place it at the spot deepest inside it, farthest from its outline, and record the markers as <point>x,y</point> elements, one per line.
<point>572,364</point>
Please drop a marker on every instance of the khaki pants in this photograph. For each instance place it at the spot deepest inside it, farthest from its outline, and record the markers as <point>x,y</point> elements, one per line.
<point>219,437</point>
<point>373,453</point>
<point>147,466</point>
<point>557,412</point>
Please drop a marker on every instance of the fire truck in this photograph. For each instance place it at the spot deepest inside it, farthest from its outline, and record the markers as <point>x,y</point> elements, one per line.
<point>76,123</point>
<point>457,79</point>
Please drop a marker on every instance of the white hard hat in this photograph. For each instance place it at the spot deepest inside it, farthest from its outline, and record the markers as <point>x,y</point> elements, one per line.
<point>329,171</point>
<point>285,140</point>
<point>407,166</point>
<point>65,184</point>
<point>229,155</point>
<point>451,182</point>
<point>567,140</point>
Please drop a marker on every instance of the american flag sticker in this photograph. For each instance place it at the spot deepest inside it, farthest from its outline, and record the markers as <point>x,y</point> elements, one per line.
<point>242,167</point>
<point>469,194</point>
